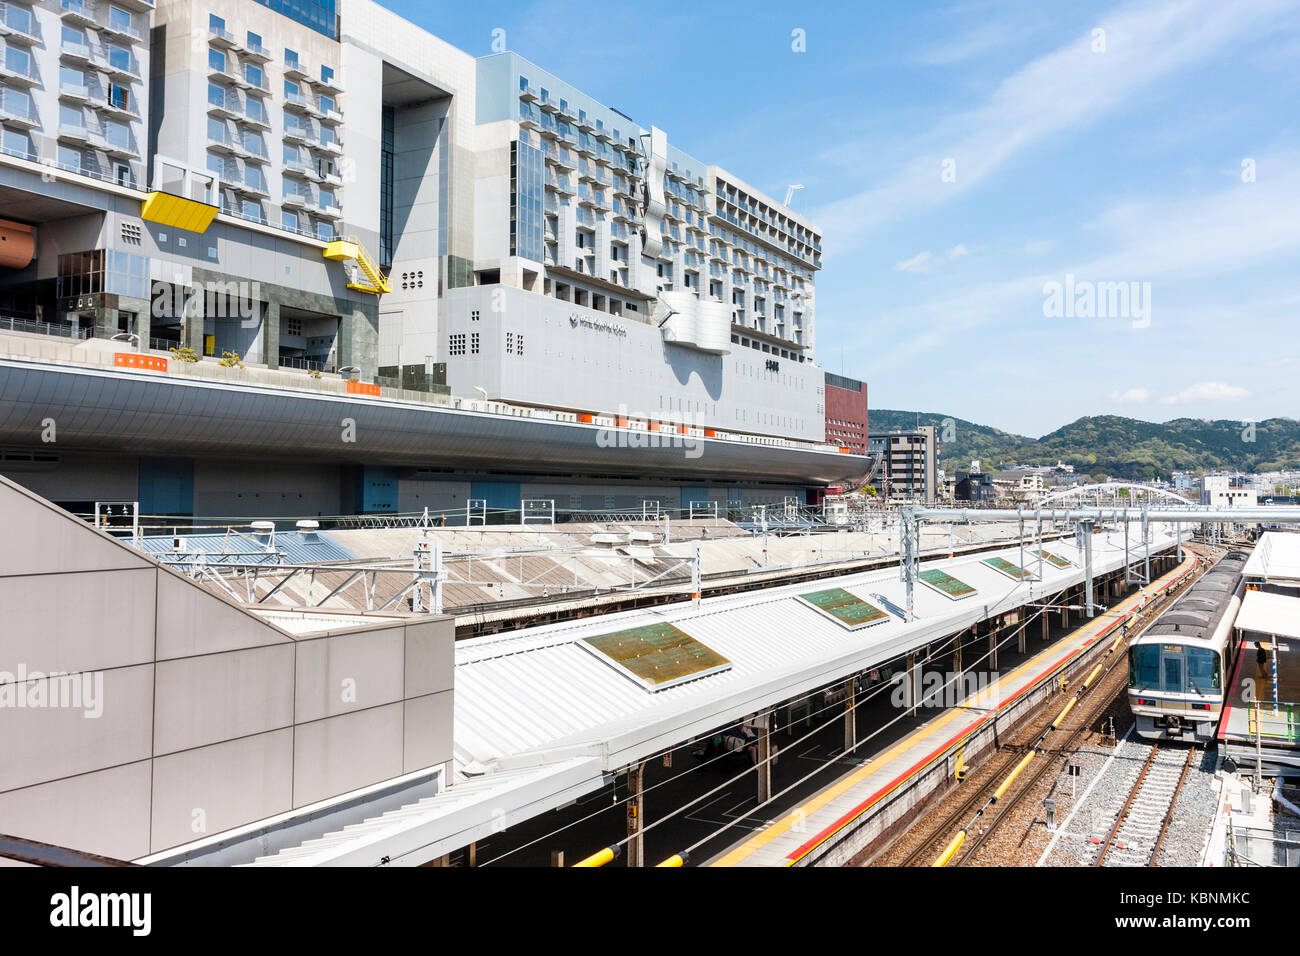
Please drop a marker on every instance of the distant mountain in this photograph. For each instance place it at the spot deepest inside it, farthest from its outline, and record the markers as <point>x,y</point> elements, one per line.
<point>1110,445</point>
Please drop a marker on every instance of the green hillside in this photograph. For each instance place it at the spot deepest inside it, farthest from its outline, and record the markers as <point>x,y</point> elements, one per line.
<point>1109,445</point>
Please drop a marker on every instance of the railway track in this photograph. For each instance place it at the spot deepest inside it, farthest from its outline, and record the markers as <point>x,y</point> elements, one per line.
<point>997,792</point>
<point>1143,821</point>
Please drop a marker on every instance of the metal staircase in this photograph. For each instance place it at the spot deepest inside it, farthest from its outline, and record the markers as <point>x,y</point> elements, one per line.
<point>350,249</point>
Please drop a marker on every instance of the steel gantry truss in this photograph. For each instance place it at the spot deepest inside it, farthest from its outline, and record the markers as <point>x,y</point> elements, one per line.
<point>1084,520</point>
<point>420,583</point>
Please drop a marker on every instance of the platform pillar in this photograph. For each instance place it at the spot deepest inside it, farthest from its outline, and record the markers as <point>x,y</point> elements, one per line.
<point>764,761</point>
<point>850,717</point>
<point>911,684</point>
<point>635,814</point>
<point>1020,636</point>
<point>1046,626</point>
<point>993,650</point>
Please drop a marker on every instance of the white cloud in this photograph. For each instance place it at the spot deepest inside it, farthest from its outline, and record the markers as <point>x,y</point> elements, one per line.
<point>957,251</point>
<point>1131,396</point>
<point>1207,392</point>
<point>1060,93</point>
<point>917,263</point>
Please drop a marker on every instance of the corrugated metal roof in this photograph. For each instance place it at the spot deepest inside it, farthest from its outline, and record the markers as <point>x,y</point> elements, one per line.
<point>294,547</point>
<point>535,689</point>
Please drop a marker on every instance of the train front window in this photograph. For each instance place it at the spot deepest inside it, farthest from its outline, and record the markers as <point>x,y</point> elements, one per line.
<point>1173,671</point>
<point>1203,672</point>
<point>1144,666</point>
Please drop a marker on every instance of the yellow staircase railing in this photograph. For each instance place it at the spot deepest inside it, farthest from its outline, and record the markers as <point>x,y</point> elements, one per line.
<point>350,248</point>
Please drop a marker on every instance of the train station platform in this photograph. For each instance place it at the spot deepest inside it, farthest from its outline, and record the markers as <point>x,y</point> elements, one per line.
<point>847,815</point>
<point>1262,713</point>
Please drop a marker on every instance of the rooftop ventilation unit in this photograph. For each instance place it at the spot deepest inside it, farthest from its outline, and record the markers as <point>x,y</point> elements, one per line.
<point>309,530</point>
<point>264,533</point>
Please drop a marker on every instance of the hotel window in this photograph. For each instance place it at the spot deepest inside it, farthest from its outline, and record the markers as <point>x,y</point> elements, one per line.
<point>510,343</point>
<point>18,144</point>
<point>119,96</point>
<point>72,117</point>
<point>456,344</point>
<point>519,344</point>
<point>326,74</point>
<point>473,343</point>
<point>119,57</point>
<point>119,19</point>
<point>18,60</point>
<point>253,74</point>
<point>217,61</point>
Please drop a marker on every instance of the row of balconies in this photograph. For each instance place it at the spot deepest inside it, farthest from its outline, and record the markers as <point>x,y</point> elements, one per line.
<point>298,103</point>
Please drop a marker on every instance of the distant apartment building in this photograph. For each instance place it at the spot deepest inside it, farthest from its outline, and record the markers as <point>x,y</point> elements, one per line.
<point>909,462</point>
<point>846,413</point>
<point>1227,491</point>
<point>975,487</point>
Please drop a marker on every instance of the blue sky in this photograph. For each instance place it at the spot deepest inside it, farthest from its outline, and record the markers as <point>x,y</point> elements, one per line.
<point>1163,150</point>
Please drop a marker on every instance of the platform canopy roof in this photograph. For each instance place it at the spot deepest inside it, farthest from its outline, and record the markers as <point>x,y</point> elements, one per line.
<point>1265,613</point>
<point>1275,558</point>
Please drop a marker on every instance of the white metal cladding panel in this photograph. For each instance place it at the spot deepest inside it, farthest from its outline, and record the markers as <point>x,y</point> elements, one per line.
<point>537,689</point>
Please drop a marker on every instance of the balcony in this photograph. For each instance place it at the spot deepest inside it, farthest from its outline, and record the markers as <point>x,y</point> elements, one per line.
<point>255,189</point>
<point>331,146</point>
<point>74,93</point>
<point>122,67</point>
<point>121,147</point>
<point>19,116</point>
<point>74,134</point>
<point>329,211</point>
<point>223,38</point>
<point>299,134</point>
<point>299,169</point>
<point>23,76</point>
<point>73,11</point>
<point>295,200</point>
<point>123,31</point>
<point>332,85</point>
<point>20,31</point>
<point>298,103</point>
<point>226,107</point>
<point>330,179</point>
<point>259,121</point>
<point>117,109</point>
<point>294,70</point>
<point>223,144</point>
<point>332,117</point>
<point>256,52</point>
<point>252,156</point>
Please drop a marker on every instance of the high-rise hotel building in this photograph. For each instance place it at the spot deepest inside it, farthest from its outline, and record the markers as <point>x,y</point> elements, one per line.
<point>311,186</point>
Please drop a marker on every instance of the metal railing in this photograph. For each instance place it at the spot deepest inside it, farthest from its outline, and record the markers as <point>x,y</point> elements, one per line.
<point>16,324</point>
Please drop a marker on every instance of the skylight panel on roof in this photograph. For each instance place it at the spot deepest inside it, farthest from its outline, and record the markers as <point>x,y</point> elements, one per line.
<point>946,584</point>
<point>1053,559</point>
<point>656,656</point>
<point>846,609</point>
<point>1006,567</point>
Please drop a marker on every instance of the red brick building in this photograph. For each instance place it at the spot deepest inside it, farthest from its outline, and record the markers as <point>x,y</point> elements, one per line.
<point>846,413</point>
